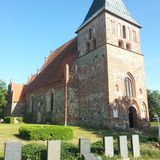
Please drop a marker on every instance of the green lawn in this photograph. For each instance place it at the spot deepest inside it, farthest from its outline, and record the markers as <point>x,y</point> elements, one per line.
<point>148,151</point>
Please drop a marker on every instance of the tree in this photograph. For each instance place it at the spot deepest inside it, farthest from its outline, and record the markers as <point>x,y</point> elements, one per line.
<point>3,95</point>
<point>153,103</point>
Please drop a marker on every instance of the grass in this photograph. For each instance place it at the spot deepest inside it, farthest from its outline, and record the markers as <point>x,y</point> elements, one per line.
<point>148,151</point>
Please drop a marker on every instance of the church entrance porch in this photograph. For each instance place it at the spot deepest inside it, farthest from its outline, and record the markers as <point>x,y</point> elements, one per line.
<point>132,117</point>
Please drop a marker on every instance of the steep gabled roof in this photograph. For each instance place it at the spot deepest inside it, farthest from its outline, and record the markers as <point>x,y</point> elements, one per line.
<point>53,69</point>
<point>116,7</point>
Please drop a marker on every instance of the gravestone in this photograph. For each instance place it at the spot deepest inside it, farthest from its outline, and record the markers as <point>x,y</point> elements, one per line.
<point>54,150</point>
<point>135,146</point>
<point>12,150</point>
<point>108,146</point>
<point>123,146</point>
<point>84,146</point>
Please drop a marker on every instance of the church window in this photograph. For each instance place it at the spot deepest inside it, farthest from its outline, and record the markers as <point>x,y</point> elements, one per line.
<point>120,44</point>
<point>90,33</point>
<point>87,46</point>
<point>124,31</point>
<point>119,30</point>
<point>128,33</point>
<point>134,36</point>
<point>129,88</point>
<point>51,101</point>
<point>115,110</point>
<point>128,46</point>
<point>140,90</point>
<point>113,27</point>
<point>117,88</point>
<point>115,113</point>
<point>32,104</point>
<point>94,44</point>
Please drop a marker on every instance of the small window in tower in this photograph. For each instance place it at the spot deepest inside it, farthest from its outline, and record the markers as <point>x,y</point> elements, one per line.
<point>87,47</point>
<point>128,46</point>
<point>120,44</point>
<point>94,44</point>
<point>134,36</point>
<point>124,32</point>
<point>90,33</point>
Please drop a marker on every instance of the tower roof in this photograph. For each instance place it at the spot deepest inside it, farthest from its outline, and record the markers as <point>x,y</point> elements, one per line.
<point>116,7</point>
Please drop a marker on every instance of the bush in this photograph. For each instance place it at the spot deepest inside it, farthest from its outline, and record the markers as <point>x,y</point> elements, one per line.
<point>34,151</point>
<point>69,152</point>
<point>46,132</point>
<point>9,120</point>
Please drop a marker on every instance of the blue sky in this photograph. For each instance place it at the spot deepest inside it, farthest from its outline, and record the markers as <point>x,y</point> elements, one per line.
<point>29,29</point>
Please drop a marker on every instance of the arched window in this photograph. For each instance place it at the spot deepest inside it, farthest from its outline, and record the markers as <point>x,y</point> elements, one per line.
<point>90,33</point>
<point>128,46</point>
<point>134,36</point>
<point>87,47</point>
<point>115,109</point>
<point>130,86</point>
<point>124,31</point>
<point>94,44</point>
<point>51,101</point>
<point>119,30</point>
<point>128,33</point>
<point>120,44</point>
<point>32,104</point>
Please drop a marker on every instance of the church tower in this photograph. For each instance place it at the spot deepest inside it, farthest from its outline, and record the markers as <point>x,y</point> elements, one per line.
<point>111,76</point>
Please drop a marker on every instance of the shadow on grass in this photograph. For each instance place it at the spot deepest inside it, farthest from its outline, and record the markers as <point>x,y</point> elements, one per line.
<point>144,135</point>
<point>21,138</point>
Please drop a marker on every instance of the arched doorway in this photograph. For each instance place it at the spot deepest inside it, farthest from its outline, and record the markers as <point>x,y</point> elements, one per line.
<point>132,117</point>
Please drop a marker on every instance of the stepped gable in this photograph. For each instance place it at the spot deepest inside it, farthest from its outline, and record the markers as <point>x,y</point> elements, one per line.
<point>53,69</point>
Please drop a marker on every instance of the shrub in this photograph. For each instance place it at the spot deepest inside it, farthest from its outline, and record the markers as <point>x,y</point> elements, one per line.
<point>9,120</point>
<point>152,139</point>
<point>46,132</point>
<point>69,152</point>
<point>34,151</point>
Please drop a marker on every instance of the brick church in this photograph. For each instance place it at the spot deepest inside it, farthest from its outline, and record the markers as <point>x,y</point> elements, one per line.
<point>96,79</point>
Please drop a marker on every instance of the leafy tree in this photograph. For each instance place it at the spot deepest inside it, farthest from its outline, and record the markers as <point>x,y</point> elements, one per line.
<point>153,103</point>
<point>3,94</point>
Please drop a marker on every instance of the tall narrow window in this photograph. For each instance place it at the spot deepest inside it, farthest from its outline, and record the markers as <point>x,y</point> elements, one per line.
<point>90,33</point>
<point>51,101</point>
<point>32,104</point>
<point>129,87</point>
<point>94,44</point>
<point>128,33</point>
<point>119,30</point>
<point>124,31</point>
<point>134,36</point>
<point>87,47</point>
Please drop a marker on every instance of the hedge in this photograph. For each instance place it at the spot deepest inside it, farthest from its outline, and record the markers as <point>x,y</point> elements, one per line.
<point>34,151</point>
<point>45,132</point>
<point>9,120</point>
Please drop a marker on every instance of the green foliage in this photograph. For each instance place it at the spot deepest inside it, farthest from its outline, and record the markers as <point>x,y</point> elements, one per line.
<point>34,151</point>
<point>69,152</point>
<point>9,120</point>
<point>3,94</point>
<point>47,132</point>
<point>153,103</point>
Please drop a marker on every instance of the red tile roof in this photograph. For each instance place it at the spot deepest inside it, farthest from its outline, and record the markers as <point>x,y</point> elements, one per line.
<point>53,69</point>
